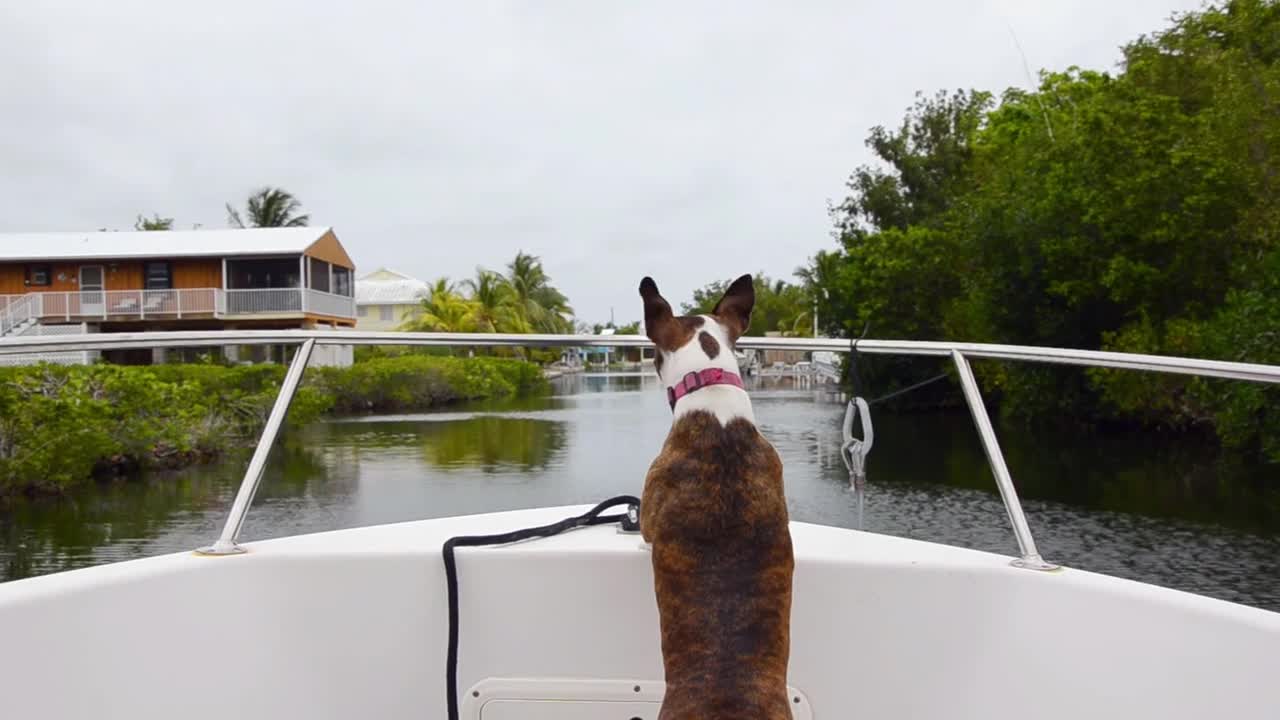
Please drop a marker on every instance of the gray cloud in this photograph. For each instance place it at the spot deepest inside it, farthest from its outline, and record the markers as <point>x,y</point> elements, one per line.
<point>690,141</point>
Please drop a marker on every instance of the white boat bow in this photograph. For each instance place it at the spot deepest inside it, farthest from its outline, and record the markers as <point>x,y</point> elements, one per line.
<point>354,623</point>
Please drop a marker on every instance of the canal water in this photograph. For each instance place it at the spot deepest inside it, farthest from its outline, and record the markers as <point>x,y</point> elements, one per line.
<point>1133,506</point>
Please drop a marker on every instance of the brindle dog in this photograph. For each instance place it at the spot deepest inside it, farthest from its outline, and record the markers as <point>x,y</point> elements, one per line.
<point>714,511</point>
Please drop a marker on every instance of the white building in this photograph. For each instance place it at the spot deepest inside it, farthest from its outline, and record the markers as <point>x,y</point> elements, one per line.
<point>385,299</point>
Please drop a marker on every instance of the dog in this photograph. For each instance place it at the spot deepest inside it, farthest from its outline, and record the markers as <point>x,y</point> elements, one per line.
<point>714,512</point>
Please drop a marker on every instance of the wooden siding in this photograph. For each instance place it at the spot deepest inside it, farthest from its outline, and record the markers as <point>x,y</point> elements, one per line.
<point>328,248</point>
<point>197,273</point>
<point>12,277</point>
<point>66,277</point>
<point>121,275</point>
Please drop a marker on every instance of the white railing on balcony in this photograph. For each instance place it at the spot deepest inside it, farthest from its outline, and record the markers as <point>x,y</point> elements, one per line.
<point>263,301</point>
<point>163,304</point>
<point>127,304</point>
<point>323,303</point>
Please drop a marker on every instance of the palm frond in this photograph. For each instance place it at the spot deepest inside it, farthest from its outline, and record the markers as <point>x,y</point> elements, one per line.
<point>269,207</point>
<point>233,217</point>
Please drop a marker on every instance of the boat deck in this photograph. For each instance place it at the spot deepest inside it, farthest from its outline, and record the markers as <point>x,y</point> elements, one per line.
<point>354,622</point>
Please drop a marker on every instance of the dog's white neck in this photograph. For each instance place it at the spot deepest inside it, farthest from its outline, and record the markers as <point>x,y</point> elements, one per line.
<point>726,402</point>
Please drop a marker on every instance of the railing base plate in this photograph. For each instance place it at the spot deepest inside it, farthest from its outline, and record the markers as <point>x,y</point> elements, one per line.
<point>222,547</point>
<point>1034,562</point>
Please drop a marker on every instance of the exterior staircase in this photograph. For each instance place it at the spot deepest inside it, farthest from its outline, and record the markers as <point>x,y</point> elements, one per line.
<point>18,314</point>
<point>36,329</point>
<point>18,329</point>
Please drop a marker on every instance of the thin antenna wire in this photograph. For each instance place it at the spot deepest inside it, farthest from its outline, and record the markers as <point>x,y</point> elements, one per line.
<point>1027,69</point>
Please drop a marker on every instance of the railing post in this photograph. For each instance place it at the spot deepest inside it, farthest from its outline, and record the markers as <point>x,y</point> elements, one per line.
<point>1026,543</point>
<point>304,270</point>
<point>178,299</point>
<point>226,542</point>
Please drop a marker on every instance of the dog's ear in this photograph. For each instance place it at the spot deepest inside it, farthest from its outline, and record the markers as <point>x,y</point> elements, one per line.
<point>734,309</point>
<point>657,312</point>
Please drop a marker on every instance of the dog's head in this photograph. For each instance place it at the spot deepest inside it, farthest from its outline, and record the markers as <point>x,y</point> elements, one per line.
<point>690,343</point>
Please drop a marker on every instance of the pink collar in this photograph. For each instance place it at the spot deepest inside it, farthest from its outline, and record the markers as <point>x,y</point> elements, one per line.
<point>698,380</point>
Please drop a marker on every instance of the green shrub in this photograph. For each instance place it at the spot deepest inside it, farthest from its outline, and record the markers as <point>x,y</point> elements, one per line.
<point>365,353</point>
<point>58,425</point>
<point>416,382</point>
<point>61,425</point>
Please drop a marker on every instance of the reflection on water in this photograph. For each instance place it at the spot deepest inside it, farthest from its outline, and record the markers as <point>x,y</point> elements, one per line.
<point>1128,506</point>
<point>125,520</point>
<point>492,443</point>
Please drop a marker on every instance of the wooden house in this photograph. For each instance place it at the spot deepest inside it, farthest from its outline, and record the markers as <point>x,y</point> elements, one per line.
<point>257,278</point>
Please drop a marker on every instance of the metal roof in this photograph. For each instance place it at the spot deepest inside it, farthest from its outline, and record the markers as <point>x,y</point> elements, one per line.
<point>108,245</point>
<point>404,290</point>
<point>384,274</point>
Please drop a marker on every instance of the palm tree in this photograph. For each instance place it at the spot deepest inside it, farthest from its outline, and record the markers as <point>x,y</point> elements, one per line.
<point>816,278</point>
<point>494,303</point>
<point>155,222</point>
<point>444,309</point>
<point>269,207</point>
<point>557,315</point>
<point>542,307</point>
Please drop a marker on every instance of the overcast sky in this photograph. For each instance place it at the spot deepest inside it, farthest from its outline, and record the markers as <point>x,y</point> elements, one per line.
<point>687,140</point>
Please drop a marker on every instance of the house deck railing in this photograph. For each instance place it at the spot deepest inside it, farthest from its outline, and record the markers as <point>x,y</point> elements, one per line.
<point>169,304</point>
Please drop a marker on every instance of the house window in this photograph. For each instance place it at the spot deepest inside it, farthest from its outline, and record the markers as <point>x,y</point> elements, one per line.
<point>39,275</point>
<point>363,311</point>
<point>262,273</point>
<point>341,281</point>
<point>159,276</point>
<point>384,313</point>
<point>319,275</point>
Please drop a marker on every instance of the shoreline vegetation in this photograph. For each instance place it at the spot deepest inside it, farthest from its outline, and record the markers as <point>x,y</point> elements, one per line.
<point>64,426</point>
<point>1135,210</point>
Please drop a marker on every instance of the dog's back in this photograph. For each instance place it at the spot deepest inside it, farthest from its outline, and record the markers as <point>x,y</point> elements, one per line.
<point>716,515</point>
<point>714,510</point>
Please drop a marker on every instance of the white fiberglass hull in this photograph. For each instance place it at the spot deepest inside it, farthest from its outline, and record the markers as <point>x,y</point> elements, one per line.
<point>353,624</point>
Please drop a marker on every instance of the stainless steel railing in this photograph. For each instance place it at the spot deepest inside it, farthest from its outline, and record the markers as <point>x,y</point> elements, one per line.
<point>960,353</point>
<point>226,542</point>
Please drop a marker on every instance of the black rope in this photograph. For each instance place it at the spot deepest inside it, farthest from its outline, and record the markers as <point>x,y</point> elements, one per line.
<point>908,389</point>
<point>854,375</point>
<point>591,517</point>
